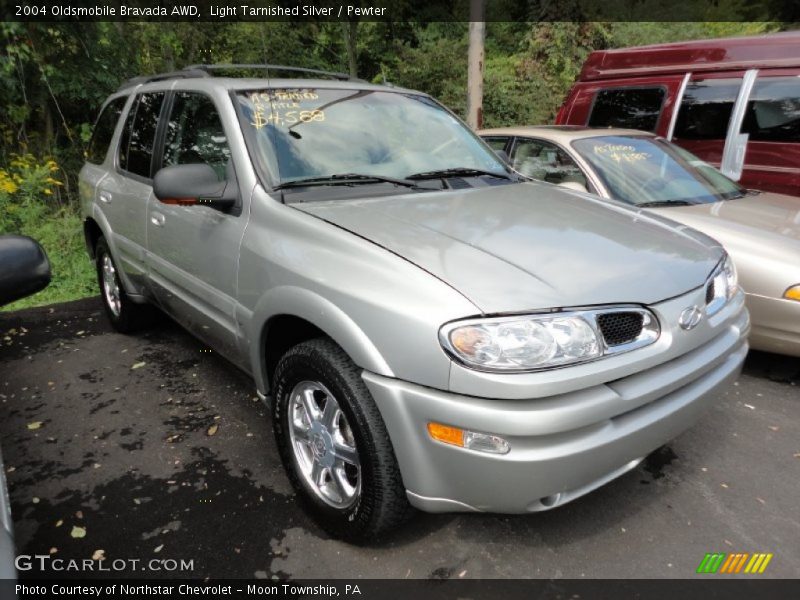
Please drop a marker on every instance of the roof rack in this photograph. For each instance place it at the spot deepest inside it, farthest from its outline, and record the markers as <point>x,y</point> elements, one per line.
<point>187,73</point>
<point>195,71</point>
<point>269,67</point>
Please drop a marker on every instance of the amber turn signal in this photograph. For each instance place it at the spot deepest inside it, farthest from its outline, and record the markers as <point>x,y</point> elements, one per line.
<point>471,440</point>
<point>446,434</point>
<point>793,293</point>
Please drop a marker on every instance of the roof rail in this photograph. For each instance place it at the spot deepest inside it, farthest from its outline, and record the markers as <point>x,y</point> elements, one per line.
<point>187,73</point>
<point>268,67</point>
<point>195,71</point>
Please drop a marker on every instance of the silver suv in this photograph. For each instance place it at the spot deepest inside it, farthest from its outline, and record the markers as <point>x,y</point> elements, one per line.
<point>431,330</point>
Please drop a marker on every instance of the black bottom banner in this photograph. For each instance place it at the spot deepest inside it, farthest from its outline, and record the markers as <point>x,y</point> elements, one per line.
<point>387,589</point>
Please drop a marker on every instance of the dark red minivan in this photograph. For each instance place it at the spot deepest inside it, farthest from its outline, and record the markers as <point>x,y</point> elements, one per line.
<point>733,102</point>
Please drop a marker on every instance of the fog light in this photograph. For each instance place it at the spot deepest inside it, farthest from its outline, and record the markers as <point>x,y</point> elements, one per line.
<point>473,440</point>
<point>793,293</point>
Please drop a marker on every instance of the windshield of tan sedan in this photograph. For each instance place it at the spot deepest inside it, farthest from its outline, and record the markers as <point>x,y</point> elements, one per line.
<point>641,170</point>
<point>298,134</point>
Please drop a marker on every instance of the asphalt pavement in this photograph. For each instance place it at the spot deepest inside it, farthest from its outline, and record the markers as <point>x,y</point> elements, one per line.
<point>153,447</point>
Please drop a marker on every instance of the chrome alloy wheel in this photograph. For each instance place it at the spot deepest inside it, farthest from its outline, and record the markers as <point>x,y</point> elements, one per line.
<point>111,290</point>
<point>323,445</point>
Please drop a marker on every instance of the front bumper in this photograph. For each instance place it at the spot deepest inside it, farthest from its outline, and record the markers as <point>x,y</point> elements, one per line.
<point>776,324</point>
<point>564,445</point>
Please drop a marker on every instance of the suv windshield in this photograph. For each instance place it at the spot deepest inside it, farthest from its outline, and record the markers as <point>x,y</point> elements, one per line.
<point>650,172</point>
<point>299,134</point>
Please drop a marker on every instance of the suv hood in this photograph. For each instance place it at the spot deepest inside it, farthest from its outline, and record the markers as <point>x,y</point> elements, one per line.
<point>530,246</point>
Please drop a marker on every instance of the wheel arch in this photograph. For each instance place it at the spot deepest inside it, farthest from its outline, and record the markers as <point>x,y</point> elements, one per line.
<point>91,233</point>
<point>287,316</point>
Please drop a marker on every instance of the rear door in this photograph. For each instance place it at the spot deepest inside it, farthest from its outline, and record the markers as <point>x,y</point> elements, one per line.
<point>99,154</point>
<point>193,251</point>
<point>124,192</point>
<point>644,103</point>
<point>772,124</point>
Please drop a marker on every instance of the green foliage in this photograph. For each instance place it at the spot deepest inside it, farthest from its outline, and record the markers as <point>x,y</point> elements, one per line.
<point>28,189</point>
<point>436,64</point>
<point>61,235</point>
<point>55,76</point>
<point>30,205</point>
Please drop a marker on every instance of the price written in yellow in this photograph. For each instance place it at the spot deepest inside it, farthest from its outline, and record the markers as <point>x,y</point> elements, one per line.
<point>289,117</point>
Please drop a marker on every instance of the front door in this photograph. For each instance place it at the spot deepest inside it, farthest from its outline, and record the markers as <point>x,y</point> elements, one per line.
<point>193,250</point>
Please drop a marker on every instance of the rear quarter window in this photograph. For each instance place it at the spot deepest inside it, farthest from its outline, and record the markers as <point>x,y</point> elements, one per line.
<point>631,108</point>
<point>104,131</point>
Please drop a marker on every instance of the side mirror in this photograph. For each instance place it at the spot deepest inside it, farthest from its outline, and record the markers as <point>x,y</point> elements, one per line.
<point>194,184</point>
<point>25,270</point>
<point>574,185</point>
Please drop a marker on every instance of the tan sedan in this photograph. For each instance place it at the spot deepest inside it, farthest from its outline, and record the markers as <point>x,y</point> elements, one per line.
<point>761,231</point>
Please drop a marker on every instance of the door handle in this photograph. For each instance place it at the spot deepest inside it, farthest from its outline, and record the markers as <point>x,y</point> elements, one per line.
<point>157,219</point>
<point>105,197</point>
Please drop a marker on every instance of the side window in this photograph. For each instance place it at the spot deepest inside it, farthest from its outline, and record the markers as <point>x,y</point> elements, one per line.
<point>773,112</point>
<point>496,142</point>
<point>633,108</point>
<point>104,131</point>
<point>195,134</point>
<point>546,162</point>
<point>706,109</point>
<point>140,136</point>
<point>125,138</point>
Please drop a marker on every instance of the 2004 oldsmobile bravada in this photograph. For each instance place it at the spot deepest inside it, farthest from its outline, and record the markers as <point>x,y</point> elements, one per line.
<point>433,331</point>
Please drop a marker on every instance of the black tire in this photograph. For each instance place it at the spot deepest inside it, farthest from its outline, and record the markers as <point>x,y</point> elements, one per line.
<point>381,504</point>
<point>130,316</point>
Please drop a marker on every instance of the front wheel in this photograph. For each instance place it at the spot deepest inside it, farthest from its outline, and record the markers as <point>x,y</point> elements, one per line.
<point>125,315</point>
<point>334,444</point>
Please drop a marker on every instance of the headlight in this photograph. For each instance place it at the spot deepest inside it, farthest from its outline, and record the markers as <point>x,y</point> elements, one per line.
<point>731,277</point>
<point>721,286</point>
<point>522,343</point>
<point>793,293</point>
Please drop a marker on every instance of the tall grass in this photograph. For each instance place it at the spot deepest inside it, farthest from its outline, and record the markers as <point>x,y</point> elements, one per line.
<point>31,204</point>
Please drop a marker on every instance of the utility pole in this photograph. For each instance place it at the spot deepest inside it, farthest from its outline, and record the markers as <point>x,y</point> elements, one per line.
<point>350,29</point>
<point>477,34</point>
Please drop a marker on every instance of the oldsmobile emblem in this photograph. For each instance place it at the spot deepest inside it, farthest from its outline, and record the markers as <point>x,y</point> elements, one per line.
<point>690,318</point>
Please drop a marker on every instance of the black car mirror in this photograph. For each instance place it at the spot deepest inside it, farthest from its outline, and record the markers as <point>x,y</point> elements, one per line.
<point>24,268</point>
<point>194,184</point>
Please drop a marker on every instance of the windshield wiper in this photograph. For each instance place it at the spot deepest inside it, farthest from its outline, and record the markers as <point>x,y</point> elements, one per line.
<point>455,172</point>
<point>655,203</point>
<point>346,179</point>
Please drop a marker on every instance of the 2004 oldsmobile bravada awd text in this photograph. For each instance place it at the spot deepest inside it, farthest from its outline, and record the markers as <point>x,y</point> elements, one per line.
<point>432,330</point>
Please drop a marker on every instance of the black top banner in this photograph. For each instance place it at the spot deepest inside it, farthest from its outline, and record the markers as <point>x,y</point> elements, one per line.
<point>402,10</point>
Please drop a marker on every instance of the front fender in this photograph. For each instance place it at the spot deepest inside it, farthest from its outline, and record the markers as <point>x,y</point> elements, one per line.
<point>320,312</point>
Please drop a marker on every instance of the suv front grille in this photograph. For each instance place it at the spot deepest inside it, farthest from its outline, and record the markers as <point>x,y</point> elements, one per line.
<point>620,327</point>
